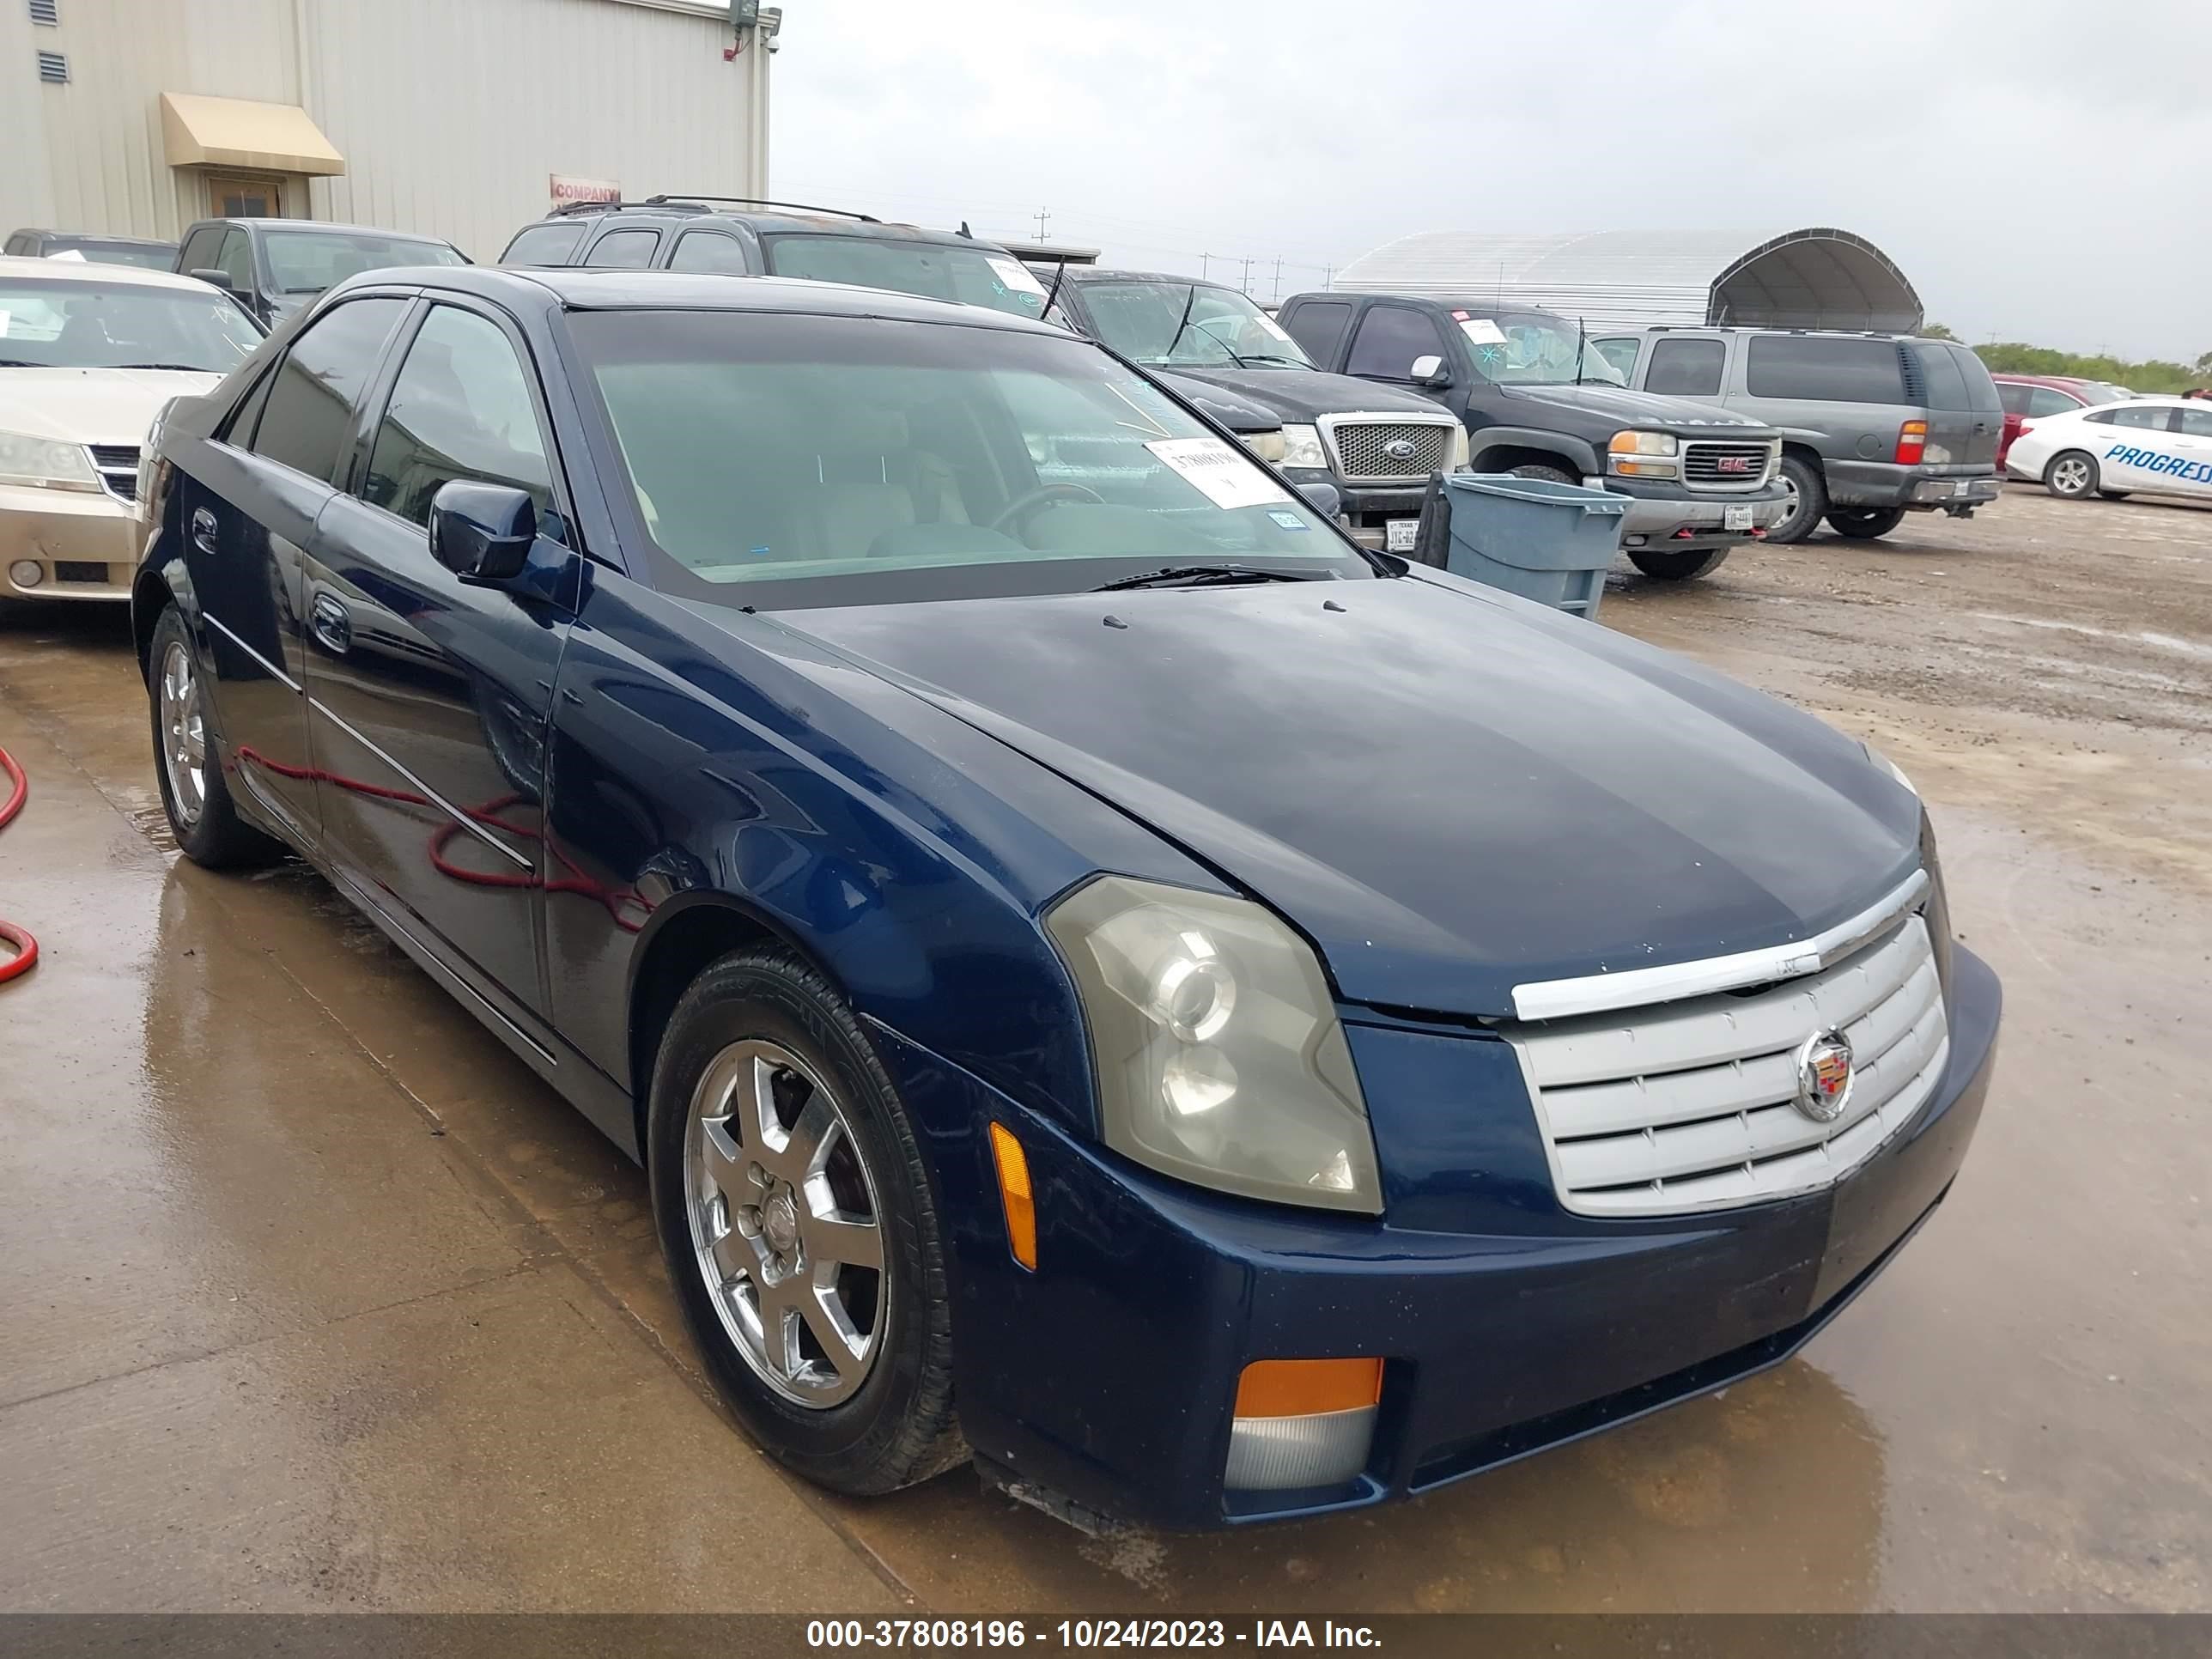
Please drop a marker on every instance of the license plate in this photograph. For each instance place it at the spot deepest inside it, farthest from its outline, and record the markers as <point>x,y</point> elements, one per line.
<point>1398,535</point>
<point>1963,487</point>
<point>1735,517</point>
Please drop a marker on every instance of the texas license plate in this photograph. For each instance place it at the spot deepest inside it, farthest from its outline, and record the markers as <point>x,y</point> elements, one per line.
<point>1398,535</point>
<point>1735,517</point>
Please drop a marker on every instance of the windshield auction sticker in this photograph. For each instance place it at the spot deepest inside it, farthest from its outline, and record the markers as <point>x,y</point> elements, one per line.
<point>1015,275</point>
<point>1217,471</point>
<point>1481,331</point>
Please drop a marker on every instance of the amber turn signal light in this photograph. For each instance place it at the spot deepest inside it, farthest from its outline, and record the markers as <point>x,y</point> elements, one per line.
<point>1300,1388</point>
<point>1014,1195</point>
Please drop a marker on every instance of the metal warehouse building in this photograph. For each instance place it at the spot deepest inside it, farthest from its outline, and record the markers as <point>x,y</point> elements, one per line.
<point>1812,278</point>
<point>464,119</point>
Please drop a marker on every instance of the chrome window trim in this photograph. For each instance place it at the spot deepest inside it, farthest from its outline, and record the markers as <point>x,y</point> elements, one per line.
<point>1596,994</point>
<point>265,666</point>
<point>429,793</point>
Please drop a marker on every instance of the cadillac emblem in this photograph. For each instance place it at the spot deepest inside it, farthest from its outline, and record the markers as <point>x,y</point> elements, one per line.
<point>1824,1076</point>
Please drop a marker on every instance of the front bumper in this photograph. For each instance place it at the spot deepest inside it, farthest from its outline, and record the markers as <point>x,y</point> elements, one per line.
<point>1916,489</point>
<point>1104,1382</point>
<point>85,546</point>
<point>1662,512</point>
<point>1364,510</point>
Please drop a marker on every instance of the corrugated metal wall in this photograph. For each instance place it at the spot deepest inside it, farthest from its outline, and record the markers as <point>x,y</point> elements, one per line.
<point>451,113</point>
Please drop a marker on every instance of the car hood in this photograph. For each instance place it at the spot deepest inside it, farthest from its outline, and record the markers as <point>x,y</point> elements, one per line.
<point>1238,414</point>
<point>92,405</point>
<point>1621,407</point>
<point>1450,791</point>
<point>1307,394</point>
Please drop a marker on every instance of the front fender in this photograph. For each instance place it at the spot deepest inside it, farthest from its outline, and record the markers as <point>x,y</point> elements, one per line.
<point>1576,452</point>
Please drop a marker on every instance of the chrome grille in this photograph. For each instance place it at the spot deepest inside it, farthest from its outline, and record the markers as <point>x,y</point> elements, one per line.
<point>118,466</point>
<point>1691,1105</point>
<point>1362,449</point>
<point>1726,466</point>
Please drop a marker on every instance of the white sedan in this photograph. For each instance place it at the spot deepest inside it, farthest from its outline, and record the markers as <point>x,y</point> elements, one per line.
<point>2156,446</point>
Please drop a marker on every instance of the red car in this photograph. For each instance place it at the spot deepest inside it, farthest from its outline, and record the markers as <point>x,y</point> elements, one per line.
<point>2029,396</point>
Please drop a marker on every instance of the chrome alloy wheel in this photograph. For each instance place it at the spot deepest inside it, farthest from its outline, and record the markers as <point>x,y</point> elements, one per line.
<point>2070,476</point>
<point>184,733</point>
<point>1789,500</point>
<point>785,1226</point>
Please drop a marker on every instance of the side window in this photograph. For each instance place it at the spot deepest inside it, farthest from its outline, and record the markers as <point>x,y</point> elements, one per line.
<point>2103,417</point>
<point>1319,328</point>
<point>2194,422</point>
<point>1686,368</point>
<point>243,419</point>
<point>709,250</point>
<point>2017,399</point>
<point>200,249</point>
<point>1943,378</point>
<point>1390,338</point>
<point>2149,419</point>
<point>236,260</point>
<point>551,243</point>
<point>1622,353</point>
<point>630,250</point>
<point>1824,368</point>
<point>310,411</point>
<point>18,245</point>
<point>460,409</point>
<point>2045,400</point>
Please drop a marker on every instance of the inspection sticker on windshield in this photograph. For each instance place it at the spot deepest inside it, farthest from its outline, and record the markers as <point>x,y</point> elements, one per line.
<point>1481,329</point>
<point>1015,275</point>
<point>1217,471</point>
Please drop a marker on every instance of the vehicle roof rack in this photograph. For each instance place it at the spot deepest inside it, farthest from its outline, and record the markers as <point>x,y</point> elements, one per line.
<point>681,197</point>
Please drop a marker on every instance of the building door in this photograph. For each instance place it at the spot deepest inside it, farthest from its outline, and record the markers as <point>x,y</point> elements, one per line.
<point>242,195</point>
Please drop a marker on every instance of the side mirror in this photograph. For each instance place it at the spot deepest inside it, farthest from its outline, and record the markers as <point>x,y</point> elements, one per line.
<point>1428,369</point>
<point>482,532</point>
<point>1323,498</point>
<point>216,278</point>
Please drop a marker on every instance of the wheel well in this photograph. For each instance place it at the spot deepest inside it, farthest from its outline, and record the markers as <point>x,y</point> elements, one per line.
<point>678,952</point>
<point>1806,454</point>
<point>1503,458</point>
<point>149,597</point>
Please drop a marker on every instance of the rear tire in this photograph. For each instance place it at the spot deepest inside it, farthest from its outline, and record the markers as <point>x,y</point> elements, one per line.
<point>188,757</point>
<point>1865,524</point>
<point>853,1388</point>
<point>1808,501</point>
<point>2072,475</point>
<point>1677,566</point>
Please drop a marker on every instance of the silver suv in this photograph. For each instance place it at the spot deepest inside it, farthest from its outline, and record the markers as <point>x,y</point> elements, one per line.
<point>1874,426</point>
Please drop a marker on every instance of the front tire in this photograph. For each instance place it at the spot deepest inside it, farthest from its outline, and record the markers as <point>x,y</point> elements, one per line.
<point>1556,474</point>
<point>1809,500</point>
<point>1864,524</point>
<point>1678,565</point>
<point>2072,475</point>
<point>2113,495</point>
<point>799,1227</point>
<point>188,757</point>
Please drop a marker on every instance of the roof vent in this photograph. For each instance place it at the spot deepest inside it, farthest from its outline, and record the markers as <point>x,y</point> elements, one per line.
<point>46,11</point>
<point>53,69</point>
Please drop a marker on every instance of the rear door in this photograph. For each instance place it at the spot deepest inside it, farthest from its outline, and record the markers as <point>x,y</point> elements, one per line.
<point>1966,416</point>
<point>249,502</point>
<point>430,694</point>
<point>2193,443</point>
<point>1692,366</point>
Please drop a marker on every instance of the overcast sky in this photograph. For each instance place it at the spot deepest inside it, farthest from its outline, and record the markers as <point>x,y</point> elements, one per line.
<point>2039,169</point>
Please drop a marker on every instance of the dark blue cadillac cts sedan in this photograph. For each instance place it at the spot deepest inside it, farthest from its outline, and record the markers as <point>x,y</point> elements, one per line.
<point>1104,976</point>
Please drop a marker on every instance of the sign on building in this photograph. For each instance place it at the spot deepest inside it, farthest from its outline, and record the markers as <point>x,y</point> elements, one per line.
<point>566,190</point>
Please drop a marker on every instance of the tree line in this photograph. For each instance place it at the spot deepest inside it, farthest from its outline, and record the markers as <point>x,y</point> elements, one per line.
<point>2155,374</point>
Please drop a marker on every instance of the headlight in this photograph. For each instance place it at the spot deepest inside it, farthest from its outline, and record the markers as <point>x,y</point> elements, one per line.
<point>42,465</point>
<point>1889,765</point>
<point>1629,453</point>
<point>1219,1056</point>
<point>1301,447</point>
<point>1456,460</point>
<point>1268,446</point>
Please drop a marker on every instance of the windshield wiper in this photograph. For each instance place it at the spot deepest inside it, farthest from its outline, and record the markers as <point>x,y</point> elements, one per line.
<point>1204,575</point>
<point>1183,326</point>
<point>189,368</point>
<point>20,363</point>
<point>1273,357</point>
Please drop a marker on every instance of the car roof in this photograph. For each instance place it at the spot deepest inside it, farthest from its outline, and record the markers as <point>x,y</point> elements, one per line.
<point>91,270</point>
<point>773,221</point>
<point>1076,273</point>
<point>249,222</point>
<point>581,288</point>
<point>94,236</point>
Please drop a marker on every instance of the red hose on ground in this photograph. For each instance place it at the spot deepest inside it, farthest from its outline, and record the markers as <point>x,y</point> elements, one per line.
<point>27,948</point>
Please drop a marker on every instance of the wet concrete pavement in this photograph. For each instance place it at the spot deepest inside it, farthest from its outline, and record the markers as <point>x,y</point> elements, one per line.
<point>313,1297</point>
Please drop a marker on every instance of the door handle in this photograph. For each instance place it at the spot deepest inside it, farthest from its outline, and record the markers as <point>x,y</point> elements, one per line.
<point>331,623</point>
<point>204,530</point>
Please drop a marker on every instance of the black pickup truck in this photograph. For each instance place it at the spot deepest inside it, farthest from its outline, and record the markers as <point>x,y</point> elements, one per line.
<point>1377,448</point>
<point>1538,399</point>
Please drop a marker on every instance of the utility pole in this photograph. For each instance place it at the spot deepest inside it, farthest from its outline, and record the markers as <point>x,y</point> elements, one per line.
<point>1279,277</point>
<point>1043,216</point>
<point>1245,283</point>
<point>1327,271</point>
<point>1204,259</point>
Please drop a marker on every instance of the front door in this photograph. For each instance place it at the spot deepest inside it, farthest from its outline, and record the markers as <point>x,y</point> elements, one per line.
<point>235,195</point>
<point>430,695</point>
<point>249,508</point>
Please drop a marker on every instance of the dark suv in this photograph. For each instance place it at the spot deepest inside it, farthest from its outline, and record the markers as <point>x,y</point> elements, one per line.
<point>274,266</point>
<point>1538,399</point>
<point>143,251</point>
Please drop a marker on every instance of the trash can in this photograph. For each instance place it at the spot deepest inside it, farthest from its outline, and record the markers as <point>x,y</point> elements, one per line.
<point>1545,541</point>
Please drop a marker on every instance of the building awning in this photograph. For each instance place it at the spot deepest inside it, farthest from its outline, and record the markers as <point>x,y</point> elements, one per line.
<point>237,132</point>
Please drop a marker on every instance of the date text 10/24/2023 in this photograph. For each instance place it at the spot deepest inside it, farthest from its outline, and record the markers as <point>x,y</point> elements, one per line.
<point>1085,1633</point>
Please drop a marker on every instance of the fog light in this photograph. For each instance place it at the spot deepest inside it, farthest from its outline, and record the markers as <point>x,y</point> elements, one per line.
<point>27,572</point>
<point>1303,1423</point>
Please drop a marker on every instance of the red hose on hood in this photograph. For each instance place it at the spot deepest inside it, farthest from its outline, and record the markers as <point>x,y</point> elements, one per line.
<point>27,948</point>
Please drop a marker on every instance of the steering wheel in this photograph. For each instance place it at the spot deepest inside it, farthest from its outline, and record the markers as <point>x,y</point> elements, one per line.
<point>1022,506</point>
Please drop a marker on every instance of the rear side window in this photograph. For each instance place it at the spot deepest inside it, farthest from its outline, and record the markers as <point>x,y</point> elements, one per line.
<point>1390,337</point>
<point>2134,415</point>
<point>1319,328</point>
<point>709,250</point>
<point>553,243</point>
<point>1622,354</point>
<point>2194,422</point>
<point>1824,368</point>
<point>460,409</point>
<point>310,411</point>
<point>1941,383</point>
<point>2043,400</point>
<point>2017,399</point>
<point>629,250</point>
<point>1686,368</point>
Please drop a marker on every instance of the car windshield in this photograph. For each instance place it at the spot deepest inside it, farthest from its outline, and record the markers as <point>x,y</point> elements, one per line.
<point>309,261</point>
<point>1189,324</point>
<point>782,459</point>
<point>96,324</point>
<point>2103,392</point>
<point>975,276</point>
<point>147,255</point>
<point>1530,348</point>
